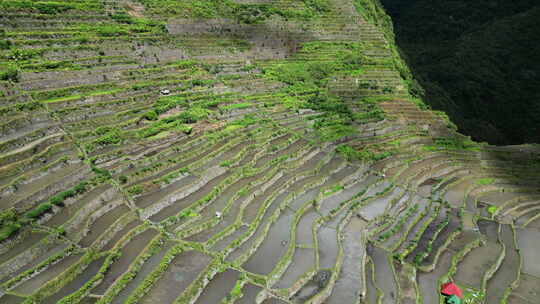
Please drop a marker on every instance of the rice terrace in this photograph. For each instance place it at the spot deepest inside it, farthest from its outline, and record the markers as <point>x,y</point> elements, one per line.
<point>244,151</point>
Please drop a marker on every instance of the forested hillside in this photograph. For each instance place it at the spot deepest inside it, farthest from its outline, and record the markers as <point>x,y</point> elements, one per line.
<point>477,60</point>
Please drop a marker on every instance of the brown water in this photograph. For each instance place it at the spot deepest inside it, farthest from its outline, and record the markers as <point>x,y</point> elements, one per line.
<point>499,198</point>
<point>327,244</point>
<point>51,249</point>
<point>273,301</point>
<point>414,230</point>
<point>317,283</point>
<point>428,282</point>
<point>251,211</point>
<point>219,287</point>
<point>68,212</point>
<point>350,284</point>
<point>384,276</point>
<point>372,293</point>
<point>28,241</point>
<point>182,271</point>
<point>11,299</point>
<point>129,253</point>
<point>475,264</point>
<point>529,244</point>
<point>226,241</point>
<point>303,260</point>
<point>77,283</point>
<point>336,200</point>
<point>148,266</point>
<point>302,199</point>
<point>304,232</point>
<point>294,147</point>
<point>224,197</point>
<point>27,190</point>
<point>442,237</point>
<point>249,294</point>
<point>273,247</point>
<point>527,290</point>
<point>50,273</point>
<point>456,193</point>
<point>507,272</point>
<point>180,204</point>
<point>117,236</point>
<point>426,237</point>
<point>153,197</point>
<point>103,223</point>
<point>377,206</point>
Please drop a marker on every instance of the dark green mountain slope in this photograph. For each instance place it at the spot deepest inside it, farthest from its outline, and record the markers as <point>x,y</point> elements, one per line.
<point>476,60</point>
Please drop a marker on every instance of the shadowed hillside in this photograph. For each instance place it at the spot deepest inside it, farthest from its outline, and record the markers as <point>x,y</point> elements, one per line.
<point>479,61</point>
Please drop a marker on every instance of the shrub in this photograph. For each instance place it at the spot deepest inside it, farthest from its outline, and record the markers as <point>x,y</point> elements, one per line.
<point>104,173</point>
<point>8,230</point>
<point>150,115</point>
<point>9,223</point>
<point>109,138</point>
<point>52,7</point>
<point>102,130</point>
<point>485,181</point>
<point>5,44</point>
<point>137,189</point>
<point>38,211</point>
<point>122,18</point>
<point>111,30</point>
<point>10,74</point>
<point>22,55</point>
<point>123,179</point>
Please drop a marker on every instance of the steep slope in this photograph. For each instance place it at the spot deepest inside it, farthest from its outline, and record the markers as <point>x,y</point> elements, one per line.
<point>477,62</point>
<point>242,152</point>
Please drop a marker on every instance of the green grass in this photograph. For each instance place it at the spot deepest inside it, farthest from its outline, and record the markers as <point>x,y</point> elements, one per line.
<point>236,106</point>
<point>11,73</point>
<point>50,7</point>
<point>307,86</point>
<point>452,143</point>
<point>472,296</point>
<point>333,190</point>
<point>241,13</point>
<point>363,155</point>
<point>492,210</point>
<point>485,181</point>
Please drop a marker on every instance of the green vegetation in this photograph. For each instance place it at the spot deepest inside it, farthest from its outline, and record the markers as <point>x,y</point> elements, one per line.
<point>137,189</point>
<point>492,210</point>
<point>453,143</point>
<point>364,155</point>
<point>172,151</point>
<point>56,200</point>
<point>236,106</point>
<point>485,181</point>
<point>49,7</point>
<point>242,13</point>
<point>307,86</point>
<point>472,296</point>
<point>11,221</point>
<point>10,74</point>
<point>333,190</point>
<point>399,225</point>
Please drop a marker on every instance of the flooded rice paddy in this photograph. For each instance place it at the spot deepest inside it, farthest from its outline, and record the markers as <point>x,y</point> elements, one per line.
<point>140,166</point>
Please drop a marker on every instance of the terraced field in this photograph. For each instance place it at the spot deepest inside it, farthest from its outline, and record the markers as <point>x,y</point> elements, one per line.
<point>248,151</point>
